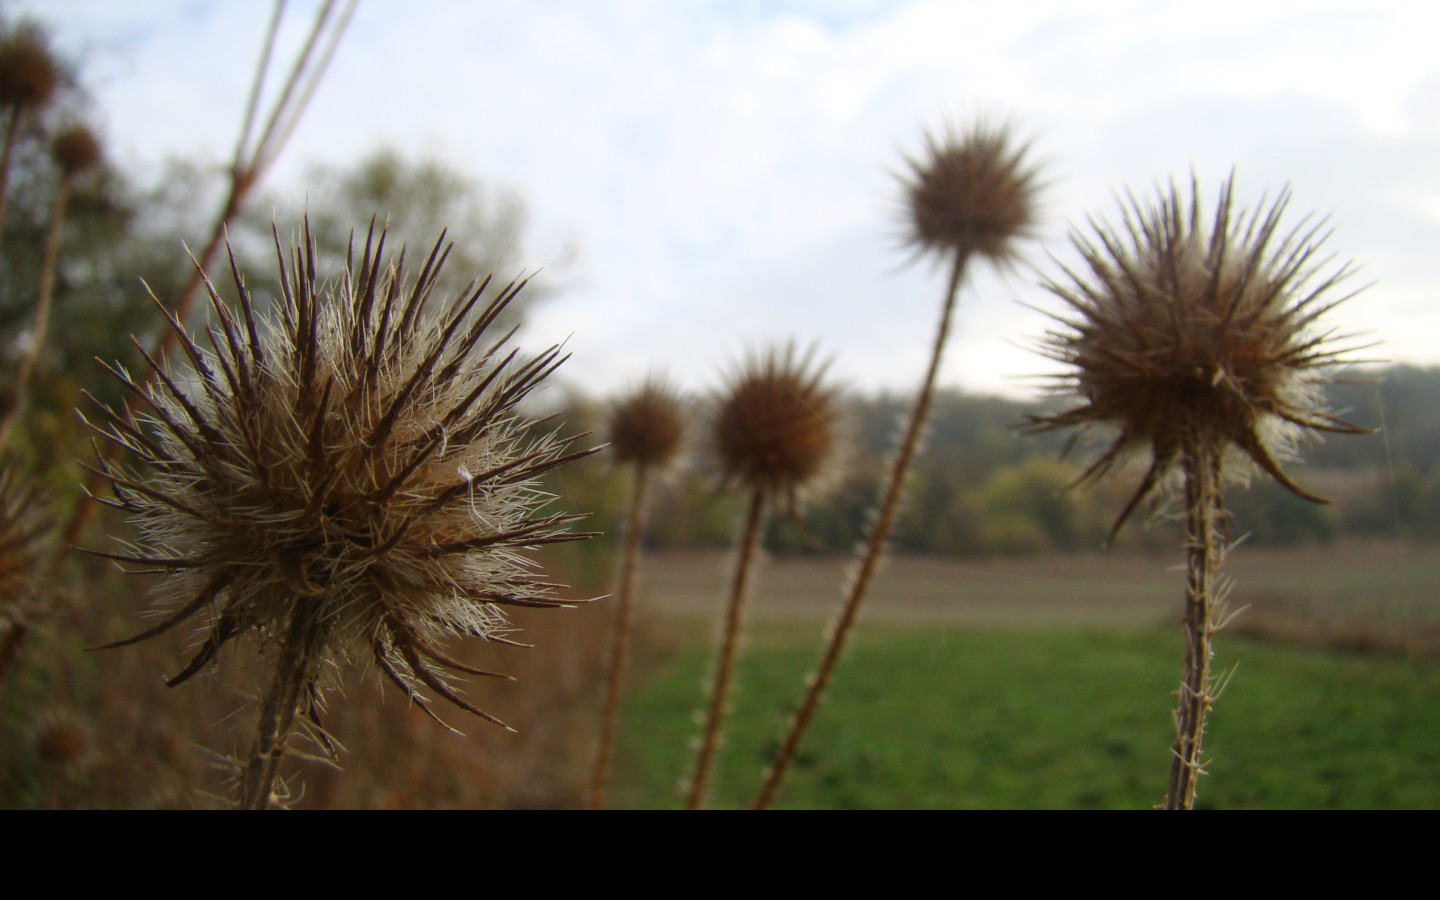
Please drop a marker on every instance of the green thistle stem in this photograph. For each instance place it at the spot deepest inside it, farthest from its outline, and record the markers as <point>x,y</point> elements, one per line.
<point>739,588</point>
<point>884,523</point>
<point>1204,552</point>
<point>620,640</point>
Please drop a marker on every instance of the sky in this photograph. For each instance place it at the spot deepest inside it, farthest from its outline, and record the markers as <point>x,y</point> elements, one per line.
<point>705,178</point>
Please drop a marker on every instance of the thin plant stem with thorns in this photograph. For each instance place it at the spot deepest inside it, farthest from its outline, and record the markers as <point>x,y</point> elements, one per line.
<point>748,545</point>
<point>1195,338</point>
<point>646,430</point>
<point>971,195</point>
<point>777,433</point>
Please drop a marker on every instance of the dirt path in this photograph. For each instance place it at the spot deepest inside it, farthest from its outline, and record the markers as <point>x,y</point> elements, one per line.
<point>1093,590</point>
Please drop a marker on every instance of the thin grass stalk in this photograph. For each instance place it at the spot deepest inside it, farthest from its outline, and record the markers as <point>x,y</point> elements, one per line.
<point>883,524</point>
<point>246,172</point>
<point>1204,552</point>
<point>620,638</point>
<point>294,675</point>
<point>730,642</point>
<point>42,309</point>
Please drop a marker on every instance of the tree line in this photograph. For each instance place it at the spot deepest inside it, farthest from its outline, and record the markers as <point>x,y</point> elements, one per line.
<point>983,488</point>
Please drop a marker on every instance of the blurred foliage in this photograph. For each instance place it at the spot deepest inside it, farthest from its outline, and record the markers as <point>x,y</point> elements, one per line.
<point>982,488</point>
<point>416,200</point>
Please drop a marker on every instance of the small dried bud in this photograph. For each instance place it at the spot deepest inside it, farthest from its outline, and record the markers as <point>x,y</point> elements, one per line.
<point>75,150</point>
<point>775,430</point>
<point>61,739</point>
<point>1192,329</point>
<point>29,74</point>
<point>971,193</point>
<point>647,427</point>
<point>350,472</point>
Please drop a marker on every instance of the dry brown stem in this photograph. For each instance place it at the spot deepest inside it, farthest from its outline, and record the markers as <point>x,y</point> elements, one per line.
<point>295,674</point>
<point>1204,552</point>
<point>620,636</point>
<point>724,667</point>
<point>884,523</point>
<point>42,310</point>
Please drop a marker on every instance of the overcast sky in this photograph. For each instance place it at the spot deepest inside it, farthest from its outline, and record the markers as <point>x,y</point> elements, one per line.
<point>726,169</point>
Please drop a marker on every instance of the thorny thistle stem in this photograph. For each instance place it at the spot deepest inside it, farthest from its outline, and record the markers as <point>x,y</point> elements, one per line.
<point>883,524</point>
<point>970,194</point>
<point>646,429</point>
<point>296,673</point>
<point>1204,509</point>
<point>620,637</point>
<point>724,667</point>
<point>1196,337</point>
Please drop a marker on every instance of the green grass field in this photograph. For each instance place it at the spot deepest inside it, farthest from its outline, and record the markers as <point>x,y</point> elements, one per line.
<point>979,714</point>
<point>958,718</point>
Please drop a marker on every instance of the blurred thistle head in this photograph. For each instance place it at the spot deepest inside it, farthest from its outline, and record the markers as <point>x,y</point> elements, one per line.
<point>29,74</point>
<point>647,426</point>
<point>75,150</point>
<point>775,429</point>
<point>1187,329</point>
<point>24,531</point>
<point>357,455</point>
<point>970,193</point>
<point>61,739</point>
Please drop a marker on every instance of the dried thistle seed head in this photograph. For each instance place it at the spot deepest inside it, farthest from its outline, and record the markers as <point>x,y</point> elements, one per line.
<point>648,426</point>
<point>356,458</point>
<point>1192,328</point>
<point>24,529</point>
<point>29,74</point>
<point>971,193</point>
<point>75,150</point>
<point>775,429</point>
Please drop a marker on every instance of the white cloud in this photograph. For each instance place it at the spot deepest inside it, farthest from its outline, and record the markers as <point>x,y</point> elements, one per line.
<point>724,166</point>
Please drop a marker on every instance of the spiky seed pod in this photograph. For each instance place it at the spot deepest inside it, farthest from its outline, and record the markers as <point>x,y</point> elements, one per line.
<point>75,150</point>
<point>648,426</point>
<point>971,193</point>
<point>29,74</point>
<point>775,429</point>
<point>1197,326</point>
<point>347,477</point>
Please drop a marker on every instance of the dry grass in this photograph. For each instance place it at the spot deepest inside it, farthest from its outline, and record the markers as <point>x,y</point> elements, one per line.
<point>1392,587</point>
<point>151,746</point>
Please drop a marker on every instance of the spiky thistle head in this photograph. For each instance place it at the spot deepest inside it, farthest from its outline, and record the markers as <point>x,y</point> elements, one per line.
<point>776,426</point>
<point>29,74</point>
<point>75,150</point>
<point>24,531</point>
<point>647,426</point>
<point>1189,328</point>
<point>970,193</point>
<point>356,457</point>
